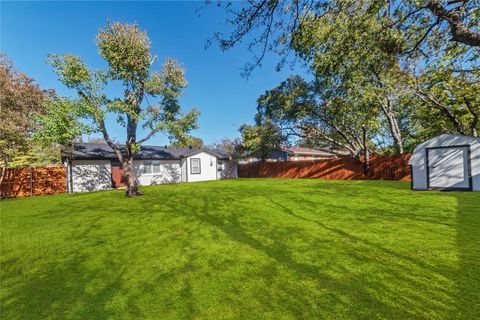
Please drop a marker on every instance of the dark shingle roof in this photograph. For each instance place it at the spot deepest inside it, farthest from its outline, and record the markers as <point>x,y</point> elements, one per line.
<point>103,151</point>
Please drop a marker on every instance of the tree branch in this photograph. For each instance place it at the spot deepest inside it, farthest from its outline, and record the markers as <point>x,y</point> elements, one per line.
<point>459,31</point>
<point>428,99</point>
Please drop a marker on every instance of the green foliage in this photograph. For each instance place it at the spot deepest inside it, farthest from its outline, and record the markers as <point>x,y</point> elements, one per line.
<point>260,139</point>
<point>365,56</point>
<point>188,141</point>
<point>126,48</point>
<point>312,112</point>
<point>21,100</point>
<point>450,98</point>
<point>243,249</point>
<point>61,123</point>
<point>71,70</point>
<point>38,155</point>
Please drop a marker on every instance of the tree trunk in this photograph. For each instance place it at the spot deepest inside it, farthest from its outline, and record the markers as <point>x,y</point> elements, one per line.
<point>475,119</point>
<point>366,154</point>
<point>396,134</point>
<point>4,170</point>
<point>393,124</point>
<point>130,178</point>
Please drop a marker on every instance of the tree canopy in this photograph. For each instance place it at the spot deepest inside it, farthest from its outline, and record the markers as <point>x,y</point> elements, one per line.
<point>406,69</point>
<point>21,100</point>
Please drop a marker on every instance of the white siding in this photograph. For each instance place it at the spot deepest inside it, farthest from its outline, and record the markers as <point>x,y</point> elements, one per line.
<point>170,172</point>
<point>91,175</point>
<point>453,168</point>
<point>184,170</point>
<point>208,167</point>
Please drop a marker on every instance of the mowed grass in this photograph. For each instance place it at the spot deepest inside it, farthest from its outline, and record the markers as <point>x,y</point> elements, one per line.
<point>243,249</point>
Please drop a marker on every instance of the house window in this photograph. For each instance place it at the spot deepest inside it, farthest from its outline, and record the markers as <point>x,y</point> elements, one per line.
<point>156,166</point>
<point>147,167</point>
<point>151,167</point>
<point>195,165</point>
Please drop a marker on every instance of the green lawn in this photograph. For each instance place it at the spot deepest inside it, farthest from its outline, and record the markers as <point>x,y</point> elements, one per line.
<point>244,249</point>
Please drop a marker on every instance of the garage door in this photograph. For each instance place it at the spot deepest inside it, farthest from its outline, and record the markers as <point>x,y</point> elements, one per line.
<point>448,167</point>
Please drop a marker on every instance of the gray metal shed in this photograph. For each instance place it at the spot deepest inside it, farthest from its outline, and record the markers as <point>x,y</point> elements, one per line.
<point>446,162</point>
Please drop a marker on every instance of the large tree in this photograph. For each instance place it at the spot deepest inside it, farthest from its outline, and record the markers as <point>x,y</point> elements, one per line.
<point>309,111</point>
<point>126,49</point>
<point>370,49</point>
<point>21,99</point>
<point>353,56</point>
<point>276,25</point>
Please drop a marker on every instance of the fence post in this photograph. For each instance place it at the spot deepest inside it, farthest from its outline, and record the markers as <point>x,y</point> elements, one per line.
<point>31,181</point>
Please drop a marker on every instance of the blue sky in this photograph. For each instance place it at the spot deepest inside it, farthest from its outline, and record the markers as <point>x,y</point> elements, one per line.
<point>31,30</point>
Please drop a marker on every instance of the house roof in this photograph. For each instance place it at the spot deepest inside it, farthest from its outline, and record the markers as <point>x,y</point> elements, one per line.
<point>85,151</point>
<point>309,151</point>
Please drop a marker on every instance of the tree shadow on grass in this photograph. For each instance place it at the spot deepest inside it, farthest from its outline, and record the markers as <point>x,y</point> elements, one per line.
<point>95,284</point>
<point>407,275</point>
<point>54,289</point>
<point>345,291</point>
<point>468,241</point>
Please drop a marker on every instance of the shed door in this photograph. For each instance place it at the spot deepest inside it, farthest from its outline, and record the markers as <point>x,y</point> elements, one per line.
<point>448,167</point>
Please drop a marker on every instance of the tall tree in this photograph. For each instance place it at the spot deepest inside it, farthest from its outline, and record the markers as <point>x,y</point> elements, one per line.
<point>351,53</point>
<point>126,49</point>
<point>21,99</point>
<point>309,111</point>
<point>371,47</point>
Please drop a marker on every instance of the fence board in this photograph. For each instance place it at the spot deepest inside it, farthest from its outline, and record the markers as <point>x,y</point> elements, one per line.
<point>381,168</point>
<point>20,182</point>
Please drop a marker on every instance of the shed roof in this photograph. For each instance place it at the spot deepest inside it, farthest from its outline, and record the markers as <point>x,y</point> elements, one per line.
<point>442,140</point>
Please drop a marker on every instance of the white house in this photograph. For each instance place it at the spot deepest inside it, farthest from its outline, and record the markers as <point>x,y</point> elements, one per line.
<point>446,162</point>
<point>93,167</point>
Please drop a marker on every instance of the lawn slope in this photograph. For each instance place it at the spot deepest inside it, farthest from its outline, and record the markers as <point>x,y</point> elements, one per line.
<point>245,249</point>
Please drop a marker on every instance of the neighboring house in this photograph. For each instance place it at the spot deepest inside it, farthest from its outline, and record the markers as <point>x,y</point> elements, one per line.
<point>297,154</point>
<point>273,155</point>
<point>300,153</point>
<point>446,162</point>
<point>95,166</point>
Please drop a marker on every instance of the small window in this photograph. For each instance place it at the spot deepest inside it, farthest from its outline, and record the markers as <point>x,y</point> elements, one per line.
<point>156,166</point>
<point>195,165</point>
<point>147,167</point>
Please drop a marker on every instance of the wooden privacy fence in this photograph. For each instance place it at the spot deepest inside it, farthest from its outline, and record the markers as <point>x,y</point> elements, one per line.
<point>27,181</point>
<point>381,168</point>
